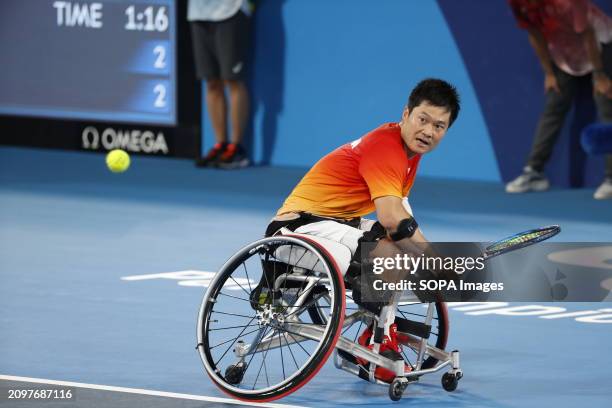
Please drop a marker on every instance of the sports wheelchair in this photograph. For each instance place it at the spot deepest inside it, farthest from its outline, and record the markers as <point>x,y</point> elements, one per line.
<point>260,342</point>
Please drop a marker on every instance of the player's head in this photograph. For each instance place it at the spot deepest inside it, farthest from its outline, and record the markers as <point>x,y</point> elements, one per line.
<point>432,108</point>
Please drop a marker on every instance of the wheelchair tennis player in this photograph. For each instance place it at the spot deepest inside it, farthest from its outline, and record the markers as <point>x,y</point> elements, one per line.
<point>276,310</point>
<point>373,173</point>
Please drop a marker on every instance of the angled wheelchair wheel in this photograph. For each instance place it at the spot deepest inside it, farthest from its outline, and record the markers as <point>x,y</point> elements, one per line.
<point>437,335</point>
<point>260,336</point>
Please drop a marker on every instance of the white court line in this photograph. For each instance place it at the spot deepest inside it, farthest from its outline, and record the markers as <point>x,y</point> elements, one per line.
<point>143,392</point>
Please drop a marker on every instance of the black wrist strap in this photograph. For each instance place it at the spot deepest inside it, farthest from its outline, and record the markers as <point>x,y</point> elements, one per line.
<point>406,229</point>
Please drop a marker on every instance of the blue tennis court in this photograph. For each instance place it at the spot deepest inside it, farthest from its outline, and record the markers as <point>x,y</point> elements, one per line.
<point>102,276</point>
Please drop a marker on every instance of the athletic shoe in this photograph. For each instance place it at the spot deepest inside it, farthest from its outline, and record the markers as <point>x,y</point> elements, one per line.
<point>530,180</point>
<point>212,156</point>
<point>604,191</point>
<point>389,348</point>
<point>234,157</point>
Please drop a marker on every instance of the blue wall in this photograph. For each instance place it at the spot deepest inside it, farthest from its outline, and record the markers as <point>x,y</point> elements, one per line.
<point>325,72</point>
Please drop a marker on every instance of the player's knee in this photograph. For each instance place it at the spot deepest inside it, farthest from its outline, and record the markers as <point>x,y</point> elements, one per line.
<point>214,86</point>
<point>234,84</point>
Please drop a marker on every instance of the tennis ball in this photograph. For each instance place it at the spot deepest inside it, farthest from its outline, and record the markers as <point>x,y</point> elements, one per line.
<point>117,161</point>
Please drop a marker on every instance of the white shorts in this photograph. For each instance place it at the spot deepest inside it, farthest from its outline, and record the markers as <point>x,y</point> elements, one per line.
<point>342,233</point>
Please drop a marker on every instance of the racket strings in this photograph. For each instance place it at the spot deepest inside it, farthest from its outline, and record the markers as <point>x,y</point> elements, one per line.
<point>521,240</point>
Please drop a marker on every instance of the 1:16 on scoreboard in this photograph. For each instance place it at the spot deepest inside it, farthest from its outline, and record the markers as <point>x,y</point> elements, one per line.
<point>90,15</point>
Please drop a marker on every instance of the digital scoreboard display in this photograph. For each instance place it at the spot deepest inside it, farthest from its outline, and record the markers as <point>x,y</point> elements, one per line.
<point>106,61</point>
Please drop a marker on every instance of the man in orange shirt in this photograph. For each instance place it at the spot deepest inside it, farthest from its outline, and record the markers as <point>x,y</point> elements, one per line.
<point>373,173</point>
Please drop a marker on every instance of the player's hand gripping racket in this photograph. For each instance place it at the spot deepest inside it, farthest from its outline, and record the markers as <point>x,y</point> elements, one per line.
<point>520,240</point>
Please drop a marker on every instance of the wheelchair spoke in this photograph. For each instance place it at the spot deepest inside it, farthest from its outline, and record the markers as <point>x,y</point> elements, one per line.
<point>414,314</point>
<point>265,275</point>
<point>243,289</point>
<point>407,359</point>
<point>227,341</point>
<point>237,337</point>
<point>358,330</point>
<point>266,372</point>
<point>235,297</point>
<point>233,314</point>
<point>248,279</point>
<point>305,306</point>
<point>232,327</point>
<point>298,261</point>
<point>297,342</point>
<point>265,333</point>
<point>288,266</point>
<point>290,352</point>
<point>263,362</point>
<point>289,263</point>
<point>292,355</point>
<point>345,330</point>
<point>280,340</point>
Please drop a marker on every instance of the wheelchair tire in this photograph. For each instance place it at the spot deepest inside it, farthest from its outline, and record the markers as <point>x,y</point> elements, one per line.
<point>276,324</point>
<point>441,327</point>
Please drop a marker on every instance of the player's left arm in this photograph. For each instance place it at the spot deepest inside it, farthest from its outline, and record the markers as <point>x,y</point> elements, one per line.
<point>391,213</point>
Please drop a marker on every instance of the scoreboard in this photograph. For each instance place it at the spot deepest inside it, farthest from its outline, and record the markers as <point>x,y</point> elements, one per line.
<point>86,67</point>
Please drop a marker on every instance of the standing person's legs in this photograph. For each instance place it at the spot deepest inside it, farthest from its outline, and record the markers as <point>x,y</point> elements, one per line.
<point>604,110</point>
<point>217,108</point>
<point>232,40</point>
<point>551,120</point>
<point>239,102</point>
<point>208,69</point>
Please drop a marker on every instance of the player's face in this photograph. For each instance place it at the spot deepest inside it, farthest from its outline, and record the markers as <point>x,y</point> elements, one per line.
<point>424,127</point>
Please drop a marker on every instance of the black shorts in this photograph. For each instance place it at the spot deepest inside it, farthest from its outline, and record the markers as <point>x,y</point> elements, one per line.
<point>219,47</point>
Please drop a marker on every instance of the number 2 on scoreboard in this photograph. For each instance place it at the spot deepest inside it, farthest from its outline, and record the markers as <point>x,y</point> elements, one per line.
<point>160,57</point>
<point>160,99</point>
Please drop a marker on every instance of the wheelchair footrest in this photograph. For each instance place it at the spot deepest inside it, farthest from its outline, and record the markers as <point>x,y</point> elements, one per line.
<point>362,371</point>
<point>411,327</point>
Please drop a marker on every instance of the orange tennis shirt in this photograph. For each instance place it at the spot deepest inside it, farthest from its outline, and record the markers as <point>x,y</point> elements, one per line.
<point>344,183</point>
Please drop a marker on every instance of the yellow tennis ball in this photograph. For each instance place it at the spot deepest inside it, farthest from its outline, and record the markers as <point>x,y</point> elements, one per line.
<point>117,161</point>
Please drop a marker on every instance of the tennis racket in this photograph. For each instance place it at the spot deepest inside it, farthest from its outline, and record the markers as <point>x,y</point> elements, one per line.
<point>520,240</point>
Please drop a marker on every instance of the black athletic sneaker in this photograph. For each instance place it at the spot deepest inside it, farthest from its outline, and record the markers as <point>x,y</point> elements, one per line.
<point>212,156</point>
<point>234,157</point>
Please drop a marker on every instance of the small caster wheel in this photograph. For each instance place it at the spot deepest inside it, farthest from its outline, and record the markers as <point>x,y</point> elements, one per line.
<point>450,381</point>
<point>396,388</point>
<point>234,373</point>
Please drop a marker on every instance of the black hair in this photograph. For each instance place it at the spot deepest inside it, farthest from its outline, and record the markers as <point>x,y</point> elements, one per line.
<point>437,92</point>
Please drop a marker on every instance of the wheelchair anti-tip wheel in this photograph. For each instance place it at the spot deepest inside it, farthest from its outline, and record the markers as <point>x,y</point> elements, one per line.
<point>262,332</point>
<point>450,381</point>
